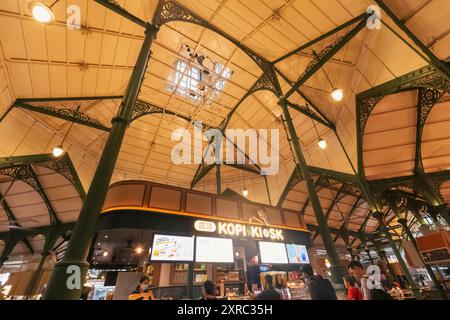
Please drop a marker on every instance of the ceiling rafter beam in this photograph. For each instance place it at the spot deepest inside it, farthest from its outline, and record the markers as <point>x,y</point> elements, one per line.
<point>324,56</point>
<point>204,169</point>
<point>315,228</point>
<point>13,221</point>
<point>330,209</point>
<point>32,232</point>
<point>439,65</point>
<point>26,174</point>
<point>117,8</point>
<point>362,228</point>
<point>311,114</point>
<point>357,203</point>
<point>345,178</point>
<point>322,37</point>
<point>68,99</point>
<point>11,239</point>
<point>292,182</point>
<point>308,101</point>
<point>72,115</point>
<point>63,166</point>
<point>51,210</point>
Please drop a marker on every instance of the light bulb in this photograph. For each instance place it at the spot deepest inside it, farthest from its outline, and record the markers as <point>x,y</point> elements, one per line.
<point>337,94</point>
<point>58,151</point>
<point>105,253</point>
<point>245,192</point>
<point>41,13</point>
<point>322,144</point>
<point>139,250</point>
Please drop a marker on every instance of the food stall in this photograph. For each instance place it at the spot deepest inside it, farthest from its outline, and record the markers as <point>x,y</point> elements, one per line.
<point>193,237</point>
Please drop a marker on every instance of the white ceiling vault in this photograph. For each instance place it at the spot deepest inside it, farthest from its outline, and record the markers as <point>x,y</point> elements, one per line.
<point>49,61</point>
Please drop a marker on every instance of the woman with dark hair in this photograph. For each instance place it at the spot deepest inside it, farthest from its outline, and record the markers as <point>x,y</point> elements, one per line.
<point>142,287</point>
<point>208,291</point>
<point>353,292</point>
<point>142,291</point>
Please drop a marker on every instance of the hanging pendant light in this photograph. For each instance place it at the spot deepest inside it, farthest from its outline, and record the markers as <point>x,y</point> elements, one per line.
<point>58,151</point>
<point>337,94</point>
<point>322,144</point>
<point>41,12</point>
<point>245,192</point>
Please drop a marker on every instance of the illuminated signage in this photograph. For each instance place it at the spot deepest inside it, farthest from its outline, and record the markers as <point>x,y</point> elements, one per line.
<point>205,226</point>
<point>239,230</point>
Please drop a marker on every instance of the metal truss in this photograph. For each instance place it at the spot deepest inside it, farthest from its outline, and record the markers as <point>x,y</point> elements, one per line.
<point>429,80</point>
<point>323,56</point>
<point>72,115</point>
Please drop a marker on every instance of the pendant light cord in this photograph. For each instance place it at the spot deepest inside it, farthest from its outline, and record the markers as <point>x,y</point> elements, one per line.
<point>54,4</point>
<point>67,133</point>
<point>317,131</point>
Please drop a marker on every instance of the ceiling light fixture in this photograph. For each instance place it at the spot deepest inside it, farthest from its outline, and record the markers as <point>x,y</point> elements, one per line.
<point>321,143</point>
<point>105,253</point>
<point>139,250</point>
<point>337,94</point>
<point>245,192</point>
<point>41,12</point>
<point>58,151</point>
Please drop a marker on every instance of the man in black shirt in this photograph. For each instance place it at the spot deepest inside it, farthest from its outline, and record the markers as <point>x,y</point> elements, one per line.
<point>318,287</point>
<point>270,293</point>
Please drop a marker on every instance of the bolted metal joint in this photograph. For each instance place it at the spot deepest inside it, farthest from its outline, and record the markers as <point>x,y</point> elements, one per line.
<point>378,215</point>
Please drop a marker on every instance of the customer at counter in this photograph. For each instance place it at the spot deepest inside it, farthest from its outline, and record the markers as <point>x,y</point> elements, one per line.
<point>269,293</point>
<point>142,291</point>
<point>319,288</point>
<point>208,291</point>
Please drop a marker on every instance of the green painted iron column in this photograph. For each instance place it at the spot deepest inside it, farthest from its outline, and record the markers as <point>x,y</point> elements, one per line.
<point>337,270</point>
<point>66,282</point>
<point>436,282</point>
<point>433,197</point>
<point>50,241</point>
<point>370,256</point>
<point>391,274</point>
<point>379,216</point>
<point>218,180</point>
<point>14,237</point>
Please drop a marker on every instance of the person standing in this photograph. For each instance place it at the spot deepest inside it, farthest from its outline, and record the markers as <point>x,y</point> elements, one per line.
<point>318,287</point>
<point>142,291</point>
<point>370,292</point>
<point>269,293</point>
<point>208,291</point>
<point>353,292</point>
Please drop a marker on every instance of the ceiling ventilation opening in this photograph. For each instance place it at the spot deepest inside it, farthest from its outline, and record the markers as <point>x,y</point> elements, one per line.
<point>197,77</point>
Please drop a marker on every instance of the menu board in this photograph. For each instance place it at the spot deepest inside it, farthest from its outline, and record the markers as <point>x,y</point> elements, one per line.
<point>172,248</point>
<point>297,253</point>
<point>273,252</point>
<point>214,250</point>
